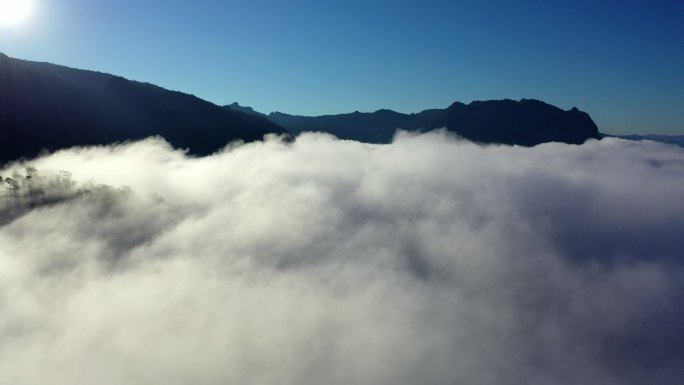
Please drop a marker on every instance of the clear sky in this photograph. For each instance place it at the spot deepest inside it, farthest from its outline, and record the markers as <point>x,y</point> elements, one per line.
<point>621,61</point>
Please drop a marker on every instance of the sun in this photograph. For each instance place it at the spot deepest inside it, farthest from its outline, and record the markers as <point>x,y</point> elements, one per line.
<point>14,12</point>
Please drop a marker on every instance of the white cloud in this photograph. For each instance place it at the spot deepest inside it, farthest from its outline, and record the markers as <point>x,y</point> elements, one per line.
<point>427,261</point>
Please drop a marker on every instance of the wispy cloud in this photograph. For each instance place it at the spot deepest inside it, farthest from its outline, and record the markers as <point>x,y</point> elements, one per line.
<point>430,261</point>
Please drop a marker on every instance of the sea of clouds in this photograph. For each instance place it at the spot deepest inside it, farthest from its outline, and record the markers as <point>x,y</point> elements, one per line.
<point>430,260</point>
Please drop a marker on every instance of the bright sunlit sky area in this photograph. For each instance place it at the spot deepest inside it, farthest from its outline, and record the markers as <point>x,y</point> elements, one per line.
<point>620,61</point>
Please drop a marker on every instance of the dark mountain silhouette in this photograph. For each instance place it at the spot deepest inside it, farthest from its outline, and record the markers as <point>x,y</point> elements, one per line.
<point>247,110</point>
<point>47,107</point>
<point>375,127</point>
<point>526,122</point>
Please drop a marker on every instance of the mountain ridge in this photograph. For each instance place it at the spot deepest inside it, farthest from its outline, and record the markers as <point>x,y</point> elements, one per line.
<point>526,122</point>
<point>45,106</point>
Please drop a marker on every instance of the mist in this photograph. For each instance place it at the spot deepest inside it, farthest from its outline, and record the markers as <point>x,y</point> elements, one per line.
<point>430,260</point>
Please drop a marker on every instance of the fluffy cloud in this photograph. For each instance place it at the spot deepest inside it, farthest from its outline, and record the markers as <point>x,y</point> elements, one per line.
<point>426,261</point>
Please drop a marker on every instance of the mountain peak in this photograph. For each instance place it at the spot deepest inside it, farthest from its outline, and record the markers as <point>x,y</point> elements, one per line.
<point>235,106</point>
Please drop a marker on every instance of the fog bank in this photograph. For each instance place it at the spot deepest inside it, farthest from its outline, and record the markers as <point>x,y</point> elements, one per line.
<point>427,261</point>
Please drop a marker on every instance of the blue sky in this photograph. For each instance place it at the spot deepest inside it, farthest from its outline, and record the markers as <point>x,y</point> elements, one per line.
<point>621,61</point>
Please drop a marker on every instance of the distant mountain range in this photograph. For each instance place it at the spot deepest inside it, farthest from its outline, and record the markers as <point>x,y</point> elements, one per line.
<point>526,122</point>
<point>47,107</point>
<point>670,139</point>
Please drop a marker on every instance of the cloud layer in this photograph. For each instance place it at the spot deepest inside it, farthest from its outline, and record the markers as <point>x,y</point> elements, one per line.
<point>426,261</point>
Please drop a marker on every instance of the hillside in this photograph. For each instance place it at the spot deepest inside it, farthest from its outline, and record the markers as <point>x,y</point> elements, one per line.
<point>47,107</point>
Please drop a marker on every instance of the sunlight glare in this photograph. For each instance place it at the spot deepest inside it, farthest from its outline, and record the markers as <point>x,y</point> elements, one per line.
<point>14,12</point>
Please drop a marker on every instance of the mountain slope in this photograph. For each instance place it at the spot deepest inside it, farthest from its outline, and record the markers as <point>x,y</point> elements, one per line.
<point>526,122</point>
<point>47,107</point>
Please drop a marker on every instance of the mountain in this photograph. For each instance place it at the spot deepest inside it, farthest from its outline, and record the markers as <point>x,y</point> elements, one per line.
<point>247,110</point>
<point>526,122</point>
<point>47,107</point>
